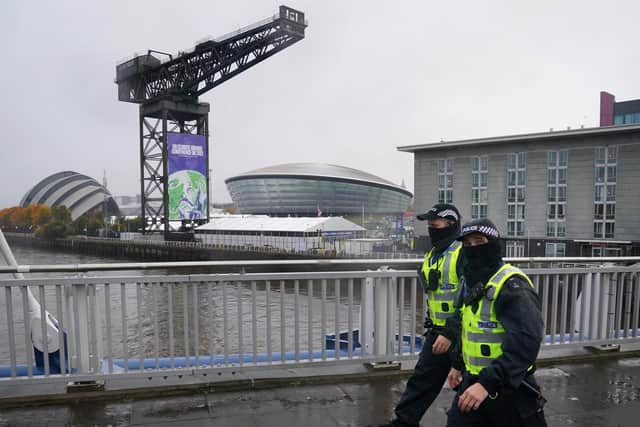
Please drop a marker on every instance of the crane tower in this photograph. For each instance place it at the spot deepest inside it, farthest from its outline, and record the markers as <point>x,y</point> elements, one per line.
<point>174,125</point>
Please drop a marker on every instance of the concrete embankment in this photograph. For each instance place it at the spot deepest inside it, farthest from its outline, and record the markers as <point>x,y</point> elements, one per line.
<point>146,250</point>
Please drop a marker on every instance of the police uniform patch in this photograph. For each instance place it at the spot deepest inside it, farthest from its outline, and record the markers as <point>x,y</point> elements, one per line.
<point>487,324</point>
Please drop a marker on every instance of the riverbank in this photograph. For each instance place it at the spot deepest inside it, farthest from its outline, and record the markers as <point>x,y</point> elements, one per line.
<point>145,250</point>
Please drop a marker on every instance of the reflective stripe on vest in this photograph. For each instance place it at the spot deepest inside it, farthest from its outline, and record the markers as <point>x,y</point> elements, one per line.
<point>440,298</point>
<point>482,332</point>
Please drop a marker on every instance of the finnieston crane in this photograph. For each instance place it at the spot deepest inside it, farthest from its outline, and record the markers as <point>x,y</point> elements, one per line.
<point>174,126</point>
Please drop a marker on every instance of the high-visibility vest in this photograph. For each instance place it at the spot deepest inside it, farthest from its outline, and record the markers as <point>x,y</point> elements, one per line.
<point>441,300</point>
<point>482,332</point>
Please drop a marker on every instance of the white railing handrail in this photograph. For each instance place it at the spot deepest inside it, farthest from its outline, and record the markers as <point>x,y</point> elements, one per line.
<point>319,262</point>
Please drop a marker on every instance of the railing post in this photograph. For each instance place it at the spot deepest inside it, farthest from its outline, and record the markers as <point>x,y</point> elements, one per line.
<point>366,316</point>
<point>603,330</point>
<point>81,330</point>
<point>611,290</point>
<point>384,314</point>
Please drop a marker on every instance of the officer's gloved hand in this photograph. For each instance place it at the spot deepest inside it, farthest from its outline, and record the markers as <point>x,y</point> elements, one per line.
<point>428,323</point>
<point>475,293</point>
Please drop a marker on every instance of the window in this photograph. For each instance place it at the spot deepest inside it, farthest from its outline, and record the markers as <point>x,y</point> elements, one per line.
<point>611,211</point>
<point>609,229</point>
<point>611,192</point>
<point>554,249</point>
<point>562,176</point>
<point>551,228</point>
<point>598,251</point>
<point>445,181</point>
<point>599,211</point>
<point>604,198</point>
<point>597,229</point>
<point>612,251</point>
<point>611,173</point>
<point>516,182</point>
<point>564,158</point>
<point>599,196</point>
<point>479,179</point>
<point>562,193</point>
<point>515,249</point>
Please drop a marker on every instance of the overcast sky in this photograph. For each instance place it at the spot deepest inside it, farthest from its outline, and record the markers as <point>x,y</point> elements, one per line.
<point>368,77</point>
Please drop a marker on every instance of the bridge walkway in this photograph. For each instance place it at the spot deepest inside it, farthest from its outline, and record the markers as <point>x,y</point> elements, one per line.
<point>596,393</point>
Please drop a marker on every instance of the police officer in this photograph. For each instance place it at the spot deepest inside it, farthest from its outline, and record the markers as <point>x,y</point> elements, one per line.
<point>501,331</point>
<point>439,279</point>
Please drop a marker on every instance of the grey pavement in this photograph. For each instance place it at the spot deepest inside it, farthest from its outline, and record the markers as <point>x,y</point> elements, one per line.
<point>604,393</point>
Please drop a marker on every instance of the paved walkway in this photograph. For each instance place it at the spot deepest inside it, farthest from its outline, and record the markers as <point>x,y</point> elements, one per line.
<point>605,393</point>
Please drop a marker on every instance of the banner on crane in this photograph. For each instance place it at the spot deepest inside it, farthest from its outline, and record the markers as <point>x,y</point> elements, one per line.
<point>187,169</point>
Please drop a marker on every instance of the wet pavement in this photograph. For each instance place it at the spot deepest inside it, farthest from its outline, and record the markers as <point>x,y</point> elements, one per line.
<point>602,393</point>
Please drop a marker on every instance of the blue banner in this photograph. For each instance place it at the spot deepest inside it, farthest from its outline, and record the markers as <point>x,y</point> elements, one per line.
<point>187,169</point>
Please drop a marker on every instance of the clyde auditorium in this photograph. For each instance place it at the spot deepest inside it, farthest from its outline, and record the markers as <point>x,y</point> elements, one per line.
<point>311,189</point>
<point>78,192</point>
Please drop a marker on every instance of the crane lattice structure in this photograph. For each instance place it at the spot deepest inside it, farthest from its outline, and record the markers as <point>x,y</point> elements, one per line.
<point>167,88</point>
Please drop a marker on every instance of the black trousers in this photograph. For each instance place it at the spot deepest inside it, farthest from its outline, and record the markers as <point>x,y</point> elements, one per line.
<point>423,386</point>
<point>514,408</point>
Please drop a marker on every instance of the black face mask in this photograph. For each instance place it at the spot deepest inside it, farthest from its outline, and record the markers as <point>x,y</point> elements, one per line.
<point>442,237</point>
<point>481,262</point>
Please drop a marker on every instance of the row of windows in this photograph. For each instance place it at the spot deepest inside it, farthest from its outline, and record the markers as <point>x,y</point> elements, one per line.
<point>604,229</point>
<point>557,163</point>
<point>516,248</point>
<point>516,181</point>
<point>445,181</point>
<point>605,192</point>
<point>626,119</point>
<point>557,166</point>
<point>479,182</point>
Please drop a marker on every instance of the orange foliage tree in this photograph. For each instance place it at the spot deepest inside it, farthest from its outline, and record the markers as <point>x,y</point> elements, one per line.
<point>34,218</point>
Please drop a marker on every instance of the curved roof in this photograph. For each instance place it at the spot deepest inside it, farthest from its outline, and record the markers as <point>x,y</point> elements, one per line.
<point>80,193</point>
<point>320,171</point>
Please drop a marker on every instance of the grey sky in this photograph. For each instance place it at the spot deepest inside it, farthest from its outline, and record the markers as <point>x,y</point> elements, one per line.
<point>369,76</point>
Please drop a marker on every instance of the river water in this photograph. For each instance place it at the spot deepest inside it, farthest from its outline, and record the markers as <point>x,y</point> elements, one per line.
<point>220,309</point>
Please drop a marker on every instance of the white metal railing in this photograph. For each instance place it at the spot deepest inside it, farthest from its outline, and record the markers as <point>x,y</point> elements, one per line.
<point>207,323</point>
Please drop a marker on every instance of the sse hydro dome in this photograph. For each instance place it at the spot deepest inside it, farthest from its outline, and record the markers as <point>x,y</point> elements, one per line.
<point>310,189</point>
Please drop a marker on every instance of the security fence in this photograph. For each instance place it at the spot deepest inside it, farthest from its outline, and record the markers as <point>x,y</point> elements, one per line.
<point>128,325</point>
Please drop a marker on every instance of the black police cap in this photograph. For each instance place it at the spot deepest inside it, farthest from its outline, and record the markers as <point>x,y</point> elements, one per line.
<point>440,211</point>
<point>482,226</point>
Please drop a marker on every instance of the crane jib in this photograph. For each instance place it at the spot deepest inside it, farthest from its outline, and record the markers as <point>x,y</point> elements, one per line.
<point>158,75</point>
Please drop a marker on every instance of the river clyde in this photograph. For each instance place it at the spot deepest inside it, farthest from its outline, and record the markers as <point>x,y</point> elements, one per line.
<point>209,304</point>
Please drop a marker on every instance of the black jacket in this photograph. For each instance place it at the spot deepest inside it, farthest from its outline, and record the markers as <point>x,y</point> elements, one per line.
<point>518,309</point>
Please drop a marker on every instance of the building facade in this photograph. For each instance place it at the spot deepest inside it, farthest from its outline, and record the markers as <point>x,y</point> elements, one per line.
<point>618,113</point>
<point>567,193</point>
